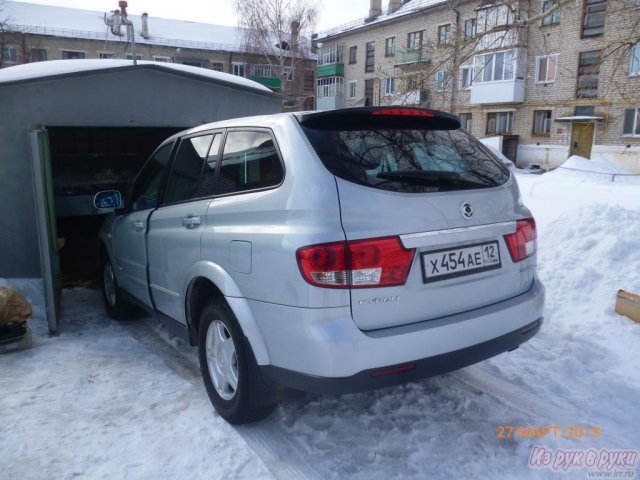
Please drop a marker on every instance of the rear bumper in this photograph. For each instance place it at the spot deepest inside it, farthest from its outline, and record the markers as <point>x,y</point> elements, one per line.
<point>317,349</point>
<point>407,372</point>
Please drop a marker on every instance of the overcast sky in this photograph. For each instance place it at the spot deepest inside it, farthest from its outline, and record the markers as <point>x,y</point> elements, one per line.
<point>332,12</point>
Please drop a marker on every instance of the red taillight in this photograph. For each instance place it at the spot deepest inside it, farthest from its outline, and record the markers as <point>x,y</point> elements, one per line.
<point>522,243</point>
<point>403,112</point>
<point>379,262</point>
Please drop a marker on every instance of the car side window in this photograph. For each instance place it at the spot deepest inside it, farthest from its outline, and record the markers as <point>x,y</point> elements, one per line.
<point>249,161</point>
<point>187,169</point>
<point>206,187</point>
<point>146,187</point>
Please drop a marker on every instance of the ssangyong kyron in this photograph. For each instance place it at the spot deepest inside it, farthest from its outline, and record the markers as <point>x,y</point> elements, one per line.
<point>326,251</point>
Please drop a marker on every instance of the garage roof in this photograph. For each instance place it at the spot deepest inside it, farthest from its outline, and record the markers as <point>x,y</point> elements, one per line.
<point>60,68</point>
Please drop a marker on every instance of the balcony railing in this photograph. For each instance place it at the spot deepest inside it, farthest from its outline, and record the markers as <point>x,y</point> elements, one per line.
<point>411,55</point>
<point>510,37</point>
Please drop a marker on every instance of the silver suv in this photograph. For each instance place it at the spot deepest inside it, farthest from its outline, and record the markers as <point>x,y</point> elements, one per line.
<point>328,251</point>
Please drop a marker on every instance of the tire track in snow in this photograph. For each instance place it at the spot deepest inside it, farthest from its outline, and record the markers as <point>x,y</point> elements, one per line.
<point>266,438</point>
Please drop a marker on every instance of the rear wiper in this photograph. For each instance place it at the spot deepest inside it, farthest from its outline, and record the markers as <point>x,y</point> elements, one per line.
<point>430,177</point>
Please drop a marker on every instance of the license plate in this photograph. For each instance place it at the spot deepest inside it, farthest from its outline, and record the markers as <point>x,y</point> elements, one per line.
<point>455,262</point>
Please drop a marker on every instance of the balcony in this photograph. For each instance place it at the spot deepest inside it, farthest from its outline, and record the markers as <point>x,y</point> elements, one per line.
<point>331,70</point>
<point>269,82</point>
<point>330,103</point>
<point>504,91</point>
<point>413,97</point>
<point>510,37</point>
<point>411,55</point>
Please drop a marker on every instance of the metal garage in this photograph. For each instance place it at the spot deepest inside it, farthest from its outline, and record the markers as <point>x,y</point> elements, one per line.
<point>71,128</point>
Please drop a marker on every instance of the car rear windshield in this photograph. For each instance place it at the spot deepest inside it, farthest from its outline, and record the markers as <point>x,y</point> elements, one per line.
<point>408,161</point>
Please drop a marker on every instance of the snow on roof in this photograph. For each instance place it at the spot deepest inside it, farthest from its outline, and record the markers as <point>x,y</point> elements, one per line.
<point>32,71</point>
<point>412,6</point>
<point>76,23</point>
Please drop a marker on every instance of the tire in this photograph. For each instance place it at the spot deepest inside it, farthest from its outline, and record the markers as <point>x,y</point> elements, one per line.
<point>224,362</point>
<point>116,306</point>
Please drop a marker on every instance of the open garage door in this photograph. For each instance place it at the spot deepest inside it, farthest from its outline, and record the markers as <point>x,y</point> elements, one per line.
<point>75,163</point>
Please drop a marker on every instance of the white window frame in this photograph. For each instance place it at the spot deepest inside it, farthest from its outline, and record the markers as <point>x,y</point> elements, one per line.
<point>478,74</point>
<point>441,80</point>
<point>546,124</point>
<point>161,58</point>
<point>329,87</point>
<point>635,55</point>
<point>469,77</point>
<point>539,59</point>
<point>352,89</point>
<point>389,86</point>
<point>636,122</point>
<point>6,59</point>
<point>331,54</point>
<point>263,70</point>
<point>238,66</point>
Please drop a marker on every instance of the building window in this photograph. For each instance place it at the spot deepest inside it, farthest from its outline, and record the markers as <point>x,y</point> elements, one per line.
<point>71,55</point>
<point>634,68</point>
<point>470,29</point>
<point>239,69</point>
<point>371,57</point>
<point>552,18</point>
<point>466,121</point>
<point>493,67</point>
<point>161,59</point>
<point>139,57</point>
<point>593,17</point>
<point>546,68</point>
<point>309,79</point>
<point>414,40</point>
<point>441,79</point>
<point>444,34</point>
<point>368,89</point>
<point>499,122</point>
<point>466,77</point>
<point>631,123</point>
<point>353,55</point>
<point>329,87</point>
<point>351,88</point>
<point>264,71</point>
<point>495,16</point>
<point>588,73</point>
<point>389,46</point>
<point>38,55</point>
<point>217,66</point>
<point>542,122</point>
<point>9,54</point>
<point>330,54</point>
<point>413,82</point>
<point>106,55</point>
<point>388,86</point>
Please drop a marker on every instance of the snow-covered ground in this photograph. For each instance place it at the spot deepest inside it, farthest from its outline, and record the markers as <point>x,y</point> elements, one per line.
<point>110,400</point>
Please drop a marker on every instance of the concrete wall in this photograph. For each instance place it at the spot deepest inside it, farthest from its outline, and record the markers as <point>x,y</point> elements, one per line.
<point>135,98</point>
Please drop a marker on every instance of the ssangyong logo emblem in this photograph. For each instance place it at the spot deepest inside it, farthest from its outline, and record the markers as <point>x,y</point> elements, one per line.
<point>466,209</point>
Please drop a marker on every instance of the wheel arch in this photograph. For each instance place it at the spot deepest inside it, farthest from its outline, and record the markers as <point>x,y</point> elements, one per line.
<point>211,281</point>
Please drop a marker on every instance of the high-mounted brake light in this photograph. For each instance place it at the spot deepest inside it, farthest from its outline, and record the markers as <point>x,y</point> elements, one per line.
<point>403,112</point>
<point>523,243</point>
<point>378,262</point>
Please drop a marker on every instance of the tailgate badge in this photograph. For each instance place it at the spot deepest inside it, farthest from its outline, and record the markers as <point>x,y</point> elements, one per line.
<point>466,210</point>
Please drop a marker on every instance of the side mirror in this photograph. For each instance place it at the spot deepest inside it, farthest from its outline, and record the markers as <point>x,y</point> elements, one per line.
<point>107,201</point>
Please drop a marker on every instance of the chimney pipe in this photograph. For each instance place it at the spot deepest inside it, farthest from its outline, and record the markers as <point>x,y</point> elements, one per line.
<point>145,25</point>
<point>394,5</point>
<point>375,9</point>
<point>123,8</point>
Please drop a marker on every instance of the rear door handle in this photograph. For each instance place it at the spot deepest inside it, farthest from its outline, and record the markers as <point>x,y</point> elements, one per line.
<point>190,222</point>
<point>138,225</point>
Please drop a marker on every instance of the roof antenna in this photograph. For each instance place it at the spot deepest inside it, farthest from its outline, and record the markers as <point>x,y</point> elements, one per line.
<point>119,18</point>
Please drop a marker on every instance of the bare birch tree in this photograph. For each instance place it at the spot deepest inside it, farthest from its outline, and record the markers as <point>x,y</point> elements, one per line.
<point>279,31</point>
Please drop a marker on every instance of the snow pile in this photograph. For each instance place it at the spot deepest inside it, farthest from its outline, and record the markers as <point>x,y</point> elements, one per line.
<point>596,165</point>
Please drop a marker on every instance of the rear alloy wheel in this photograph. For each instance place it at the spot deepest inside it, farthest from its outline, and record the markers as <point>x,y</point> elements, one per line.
<point>224,358</point>
<point>116,307</point>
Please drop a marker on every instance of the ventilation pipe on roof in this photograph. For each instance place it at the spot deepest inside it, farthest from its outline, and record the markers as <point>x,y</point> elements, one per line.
<point>394,5</point>
<point>145,25</point>
<point>375,9</point>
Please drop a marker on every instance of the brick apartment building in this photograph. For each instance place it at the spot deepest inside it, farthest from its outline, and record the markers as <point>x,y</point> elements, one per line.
<point>563,83</point>
<point>34,33</point>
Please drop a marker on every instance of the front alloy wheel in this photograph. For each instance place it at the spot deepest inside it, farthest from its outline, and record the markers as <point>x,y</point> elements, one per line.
<point>222,360</point>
